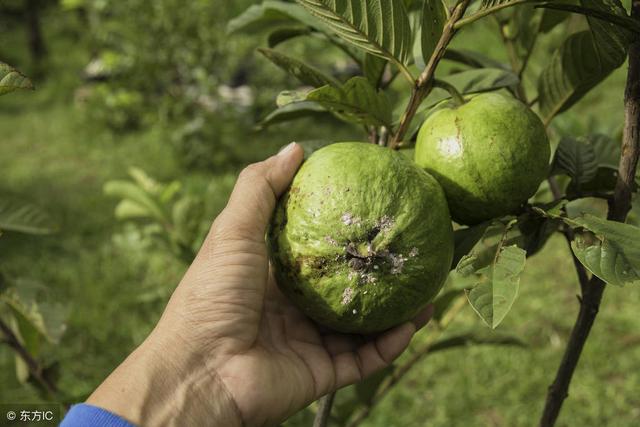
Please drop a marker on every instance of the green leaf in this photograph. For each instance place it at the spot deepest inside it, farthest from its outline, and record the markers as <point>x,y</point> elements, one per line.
<point>31,304</point>
<point>497,286</point>
<point>608,249</point>
<point>11,80</point>
<point>287,97</point>
<point>584,60</point>
<point>373,69</point>
<point>552,18</point>
<point>187,214</point>
<point>576,158</point>
<point>434,16</point>
<point>601,156</point>
<point>381,27</point>
<point>136,194</point>
<point>144,181</point>
<point>271,15</point>
<point>356,101</point>
<point>476,338</point>
<point>473,59</point>
<point>607,150</point>
<point>619,20</point>
<point>128,209</point>
<point>281,35</point>
<point>292,111</point>
<point>482,80</point>
<point>307,74</point>
<point>24,217</point>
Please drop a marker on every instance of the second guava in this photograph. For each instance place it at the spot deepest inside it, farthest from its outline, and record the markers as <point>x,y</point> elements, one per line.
<point>490,155</point>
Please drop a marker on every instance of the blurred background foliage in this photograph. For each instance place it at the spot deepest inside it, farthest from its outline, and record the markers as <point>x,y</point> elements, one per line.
<point>143,114</point>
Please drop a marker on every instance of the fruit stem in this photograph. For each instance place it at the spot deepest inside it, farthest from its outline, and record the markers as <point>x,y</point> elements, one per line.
<point>457,97</point>
<point>423,86</point>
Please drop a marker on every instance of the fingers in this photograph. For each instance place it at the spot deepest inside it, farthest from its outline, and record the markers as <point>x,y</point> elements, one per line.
<point>352,365</point>
<point>256,191</point>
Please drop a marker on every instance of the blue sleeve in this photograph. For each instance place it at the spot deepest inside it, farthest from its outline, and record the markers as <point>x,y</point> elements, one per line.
<point>82,415</point>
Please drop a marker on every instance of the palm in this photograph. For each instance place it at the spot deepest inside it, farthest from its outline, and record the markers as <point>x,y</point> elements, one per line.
<point>287,359</point>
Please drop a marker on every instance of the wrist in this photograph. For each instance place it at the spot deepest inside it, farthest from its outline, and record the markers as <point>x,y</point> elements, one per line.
<point>163,383</point>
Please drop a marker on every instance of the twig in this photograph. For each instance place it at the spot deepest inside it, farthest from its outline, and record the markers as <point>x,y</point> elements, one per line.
<point>403,369</point>
<point>424,84</point>
<point>324,410</point>
<point>583,277</point>
<point>592,295</point>
<point>488,11</point>
<point>513,59</point>
<point>35,369</point>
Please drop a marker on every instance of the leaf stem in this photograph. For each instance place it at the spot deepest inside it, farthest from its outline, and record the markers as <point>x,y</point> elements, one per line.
<point>592,295</point>
<point>405,72</point>
<point>581,271</point>
<point>423,86</point>
<point>455,95</point>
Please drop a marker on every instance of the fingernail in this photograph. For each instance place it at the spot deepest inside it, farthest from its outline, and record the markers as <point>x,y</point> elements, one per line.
<point>284,151</point>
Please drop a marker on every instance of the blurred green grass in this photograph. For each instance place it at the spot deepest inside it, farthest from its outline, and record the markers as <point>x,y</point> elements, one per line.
<point>52,155</point>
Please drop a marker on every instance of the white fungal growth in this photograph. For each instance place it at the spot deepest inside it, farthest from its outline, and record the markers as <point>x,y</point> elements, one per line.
<point>355,311</point>
<point>414,252</point>
<point>330,240</point>
<point>347,296</point>
<point>348,218</point>
<point>368,278</point>
<point>386,223</point>
<point>397,263</point>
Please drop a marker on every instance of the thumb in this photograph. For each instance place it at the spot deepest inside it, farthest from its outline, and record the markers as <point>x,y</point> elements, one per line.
<point>254,196</point>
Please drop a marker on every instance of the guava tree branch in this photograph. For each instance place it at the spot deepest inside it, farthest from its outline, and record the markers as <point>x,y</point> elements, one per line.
<point>592,295</point>
<point>403,369</point>
<point>424,84</point>
<point>35,369</point>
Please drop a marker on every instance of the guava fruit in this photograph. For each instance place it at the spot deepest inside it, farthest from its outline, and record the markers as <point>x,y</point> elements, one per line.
<point>362,240</point>
<point>490,154</point>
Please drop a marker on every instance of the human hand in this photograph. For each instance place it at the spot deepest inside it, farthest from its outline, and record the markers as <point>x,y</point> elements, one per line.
<point>230,349</point>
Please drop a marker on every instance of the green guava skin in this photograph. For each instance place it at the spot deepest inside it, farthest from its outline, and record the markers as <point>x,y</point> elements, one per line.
<point>490,155</point>
<point>362,240</point>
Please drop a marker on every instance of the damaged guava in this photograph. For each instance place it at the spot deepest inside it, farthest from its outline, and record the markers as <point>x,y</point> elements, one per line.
<point>362,240</point>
